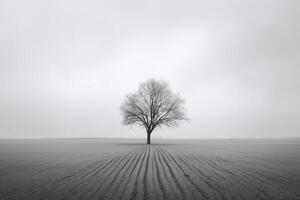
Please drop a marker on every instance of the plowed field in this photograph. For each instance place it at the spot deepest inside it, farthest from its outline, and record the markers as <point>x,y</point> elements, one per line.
<point>128,169</point>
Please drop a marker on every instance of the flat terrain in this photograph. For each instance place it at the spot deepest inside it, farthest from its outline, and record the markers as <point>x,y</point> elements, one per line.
<point>168,169</point>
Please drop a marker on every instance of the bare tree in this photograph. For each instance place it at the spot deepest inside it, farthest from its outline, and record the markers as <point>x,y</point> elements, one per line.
<point>153,105</point>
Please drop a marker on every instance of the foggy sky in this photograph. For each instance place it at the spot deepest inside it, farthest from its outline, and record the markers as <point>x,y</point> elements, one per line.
<point>65,66</point>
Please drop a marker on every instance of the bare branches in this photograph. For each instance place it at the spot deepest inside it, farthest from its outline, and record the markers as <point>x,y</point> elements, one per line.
<point>152,106</point>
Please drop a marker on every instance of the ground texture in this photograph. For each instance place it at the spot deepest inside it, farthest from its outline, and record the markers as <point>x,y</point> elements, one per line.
<point>125,169</point>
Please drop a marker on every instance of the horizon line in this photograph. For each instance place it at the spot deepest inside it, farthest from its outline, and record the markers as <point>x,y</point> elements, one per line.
<point>136,138</point>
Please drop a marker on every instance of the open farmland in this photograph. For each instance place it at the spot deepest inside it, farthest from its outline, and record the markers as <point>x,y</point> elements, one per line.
<point>168,169</point>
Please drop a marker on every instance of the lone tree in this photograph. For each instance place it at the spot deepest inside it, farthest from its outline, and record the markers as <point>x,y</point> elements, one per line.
<point>153,105</point>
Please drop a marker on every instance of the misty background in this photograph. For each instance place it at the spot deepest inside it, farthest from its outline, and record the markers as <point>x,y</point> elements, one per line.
<point>66,65</point>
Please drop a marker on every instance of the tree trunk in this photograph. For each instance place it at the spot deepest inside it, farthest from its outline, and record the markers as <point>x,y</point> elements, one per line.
<point>148,137</point>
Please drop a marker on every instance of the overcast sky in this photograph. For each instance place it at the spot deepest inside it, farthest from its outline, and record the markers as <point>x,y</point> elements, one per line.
<point>65,65</point>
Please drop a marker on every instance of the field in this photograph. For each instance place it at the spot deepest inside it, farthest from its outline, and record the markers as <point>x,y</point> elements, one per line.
<point>168,169</point>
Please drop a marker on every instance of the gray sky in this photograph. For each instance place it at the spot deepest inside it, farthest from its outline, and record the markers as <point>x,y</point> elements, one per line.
<point>65,65</point>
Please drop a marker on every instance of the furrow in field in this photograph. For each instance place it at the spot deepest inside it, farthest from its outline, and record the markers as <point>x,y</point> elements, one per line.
<point>190,185</point>
<point>237,179</point>
<point>89,168</point>
<point>128,176</point>
<point>119,191</point>
<point>239,191</point>
<point>159,174</point>
<point>138,192</point>
<point>129,187</point>
<point>32,187</point>
<point>269,174</point>
<point>245,179</point>
<point>86,185</point>
<point>104,177</point>
<point>75,185</point>
<point>145,184</point>
<point>154,191</point>
<point>118,180</point>
<point>180,180</point>
<point>196,170</point>
<point>263,178</point>
<point>166,182</point>
<point>151,181</point>
<point>171,174</point>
